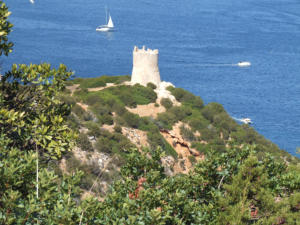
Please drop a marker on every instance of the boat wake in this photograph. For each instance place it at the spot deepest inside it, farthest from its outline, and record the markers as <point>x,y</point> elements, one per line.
<point>239,64</point>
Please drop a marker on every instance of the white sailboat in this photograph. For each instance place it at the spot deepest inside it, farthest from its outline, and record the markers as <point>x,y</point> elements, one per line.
<point>31,1</point>
<point>108,27</point>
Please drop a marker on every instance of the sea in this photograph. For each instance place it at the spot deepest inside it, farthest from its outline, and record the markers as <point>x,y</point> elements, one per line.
<point>200,43</point>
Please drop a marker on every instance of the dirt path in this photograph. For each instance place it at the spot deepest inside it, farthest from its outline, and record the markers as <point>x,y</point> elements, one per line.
<point>73,88</point>
<point>101,88</point>
<point>82,105</point>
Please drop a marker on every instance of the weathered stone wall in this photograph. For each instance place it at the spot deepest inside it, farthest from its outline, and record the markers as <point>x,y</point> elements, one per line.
<point>145,67</point>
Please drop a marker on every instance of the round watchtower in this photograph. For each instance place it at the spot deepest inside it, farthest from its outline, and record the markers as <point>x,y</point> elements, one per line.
<point>145,67</point>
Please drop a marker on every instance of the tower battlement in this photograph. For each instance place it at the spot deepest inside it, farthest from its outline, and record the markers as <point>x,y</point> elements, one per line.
<point>145,66</point>
<point>144,50</point>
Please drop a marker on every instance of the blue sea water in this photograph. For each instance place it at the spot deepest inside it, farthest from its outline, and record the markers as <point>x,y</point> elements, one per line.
<point>199,41</point>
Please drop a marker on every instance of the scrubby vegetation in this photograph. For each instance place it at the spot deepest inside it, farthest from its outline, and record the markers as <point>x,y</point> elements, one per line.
<point>98,81</point>
<point>166,102</point>
<point>243,179</point>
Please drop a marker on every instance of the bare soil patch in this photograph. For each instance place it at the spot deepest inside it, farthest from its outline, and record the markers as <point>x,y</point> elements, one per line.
<point>147,110</point>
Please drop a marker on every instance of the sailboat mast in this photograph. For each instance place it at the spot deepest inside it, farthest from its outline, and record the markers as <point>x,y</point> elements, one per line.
<point>106,14</point>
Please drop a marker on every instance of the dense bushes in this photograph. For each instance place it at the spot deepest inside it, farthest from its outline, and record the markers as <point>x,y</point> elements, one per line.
<point>155,140</point>
<point>81,113</point>
<point>99,81</point>
<point>166,120</point>
<point>177,113</point>
<point>135,95</point>
<point>198,123</point>
<point>84,143</point>
<point>94,129</point>
<point>113,143</point>
<point>166,102</point>
<point>129,96</point>
<point>66,98</point>
<point>212,109</point>
<point>211,120</point>
<point>151,85</point>
<point>182,95</point>
<point>187,134</point>
<point>223,189</point>
<point>131,119</point>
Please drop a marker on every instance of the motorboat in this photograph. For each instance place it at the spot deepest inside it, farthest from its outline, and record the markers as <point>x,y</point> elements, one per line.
<point>246,120</point>
<point>244,64</point>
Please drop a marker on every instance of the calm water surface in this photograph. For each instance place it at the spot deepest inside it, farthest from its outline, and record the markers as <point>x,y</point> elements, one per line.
<point>198,43</point>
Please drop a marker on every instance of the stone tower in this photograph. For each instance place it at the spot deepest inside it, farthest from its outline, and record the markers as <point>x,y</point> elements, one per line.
<point>145,67</point>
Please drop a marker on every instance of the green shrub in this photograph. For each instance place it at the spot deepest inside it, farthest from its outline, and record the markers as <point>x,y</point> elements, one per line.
<point>203,148</point>
<point>84,143</point>
<point>209,133</point>
<point>166,120</point>
<point>73,122</point>
<point>187,134</point>
<point>197,103</point>
<point>246,134</point>
<point>198,123</point>
<point>118,129</point>
<point>211,110</point>
<point>224,121</point>
<point>100,109</point>
<point>93,98</point>
<point>182,95</point>
<point>99,81</point>
<point>103,145</point>
<point>192,159</point>
<point>156,105</point>
<point>218,145</point>
<point>88,116</point>
<point>119,109</point>
<point>81,92</point>
<point>136,94</point>
<point>78,110</point>
<point>151,85</point>
<point>178,93</point>
<point>94,129</point>
<point>114,143</point>
<point>180,112</point>
<point>68,99</point>
<point>146,124</point>
<point>121,121</point>
<point>166,102</point>
<point>131,119</point>
<point>155,140</point>
<point>106,119</point>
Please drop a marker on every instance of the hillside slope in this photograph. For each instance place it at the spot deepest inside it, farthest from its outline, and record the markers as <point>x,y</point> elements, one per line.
<point>112,116</point>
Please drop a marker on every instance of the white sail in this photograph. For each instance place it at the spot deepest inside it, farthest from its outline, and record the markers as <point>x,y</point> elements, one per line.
<point>110,23</point>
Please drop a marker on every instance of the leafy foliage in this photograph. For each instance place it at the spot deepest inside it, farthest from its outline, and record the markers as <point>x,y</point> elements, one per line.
<point>84,143</point>
<point>31,115</point>
<point>234,184</point>
<point>5,29</point>
<point>166,102</point>
<point>231,188</point>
